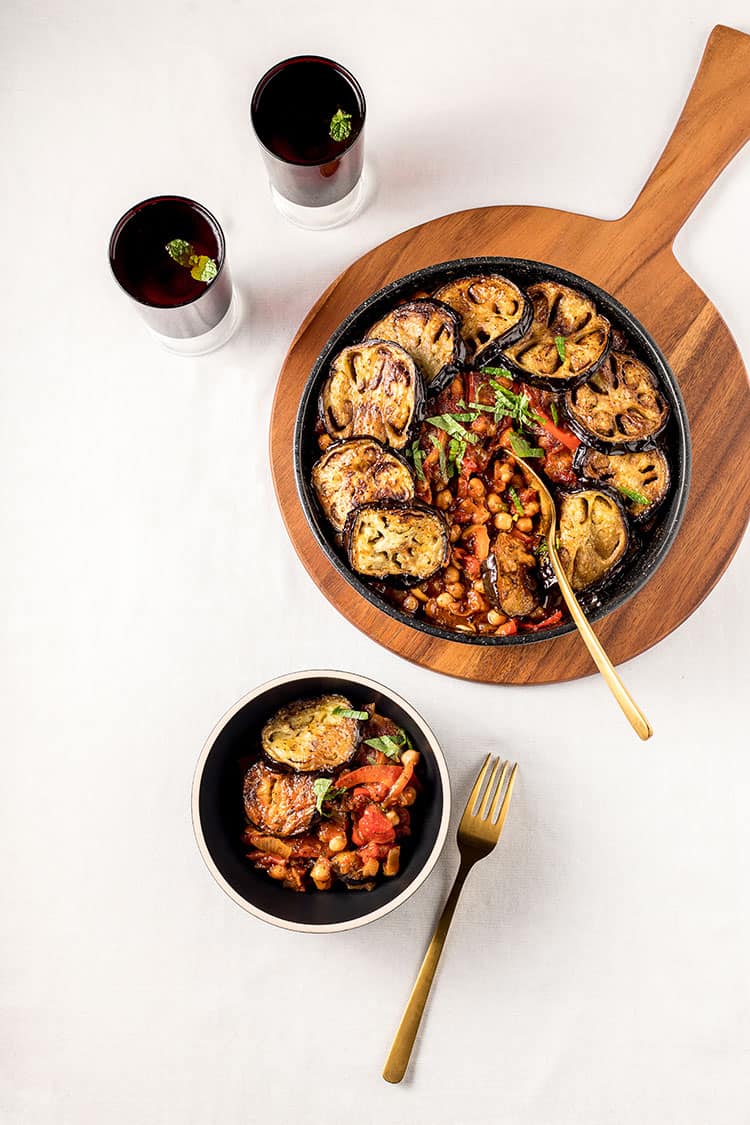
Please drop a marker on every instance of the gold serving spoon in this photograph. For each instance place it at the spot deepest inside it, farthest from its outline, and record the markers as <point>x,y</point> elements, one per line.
<point>633,713</point>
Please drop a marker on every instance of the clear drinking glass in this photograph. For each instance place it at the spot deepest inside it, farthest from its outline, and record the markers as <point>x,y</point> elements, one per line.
<point>308,114</point>
<point>188,314</point>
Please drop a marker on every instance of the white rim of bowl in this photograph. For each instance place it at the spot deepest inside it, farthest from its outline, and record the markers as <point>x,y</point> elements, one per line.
<point>419,878</point>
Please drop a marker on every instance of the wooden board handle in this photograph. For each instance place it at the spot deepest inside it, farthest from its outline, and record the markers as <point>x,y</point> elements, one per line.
<point>713,127</point>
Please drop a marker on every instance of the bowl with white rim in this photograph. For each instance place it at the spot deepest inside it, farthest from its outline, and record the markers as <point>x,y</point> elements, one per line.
<point>219,816</point>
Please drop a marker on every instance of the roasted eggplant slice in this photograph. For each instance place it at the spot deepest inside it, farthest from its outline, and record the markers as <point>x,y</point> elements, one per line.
<point>373,388</point>
<point>620,407</point>
<point>280,804</point>
<point>406,543</point>
<point>492,309</point>
<point>509,576</point>
<point>593,535</point>
<point>567,340</point>
<point>429,331</point>
<point>311,735</point>
<point>641,479</point>
<point>355,472</point>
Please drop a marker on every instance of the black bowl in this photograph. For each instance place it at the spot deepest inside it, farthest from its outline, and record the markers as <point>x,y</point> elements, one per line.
<point>219,819</point>
<point>636,571</point>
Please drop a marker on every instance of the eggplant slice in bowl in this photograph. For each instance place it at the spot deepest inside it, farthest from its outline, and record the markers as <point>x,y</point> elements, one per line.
<point>595,330</point>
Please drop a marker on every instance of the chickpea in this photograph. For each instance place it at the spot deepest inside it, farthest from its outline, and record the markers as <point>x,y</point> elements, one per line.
<point>451,574</point>
<point>410,758</point>
<point>531,509</point>
<point>431,608</point>
<point>409,795</point>
<point>393,816</point>
<point>444,499</point>
<point>494,618</point>
<point>337,843</point>
<point>321,871</point>
<point>525,524</point>
<point>390,867</point>
<point>503,521</point>
<point>418,593</point>
<point>478,586</point>
<point>456,590</point>
<point>481,425</point>
<point>506,473</point>
<point>410,604</point>
<point>370,869</point>
<point>445,601</point>
<point>455,533</point>
<point>277,871</point>
<point>324,441</point>
<point>476,488</point>
<point>494,503</point>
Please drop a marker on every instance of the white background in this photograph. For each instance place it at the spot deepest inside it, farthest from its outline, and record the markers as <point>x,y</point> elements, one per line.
<point>598,967</point>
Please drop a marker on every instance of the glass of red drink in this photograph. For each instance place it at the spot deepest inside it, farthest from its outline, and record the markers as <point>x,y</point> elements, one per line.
<point>308,114</point>
<point>169,255</point>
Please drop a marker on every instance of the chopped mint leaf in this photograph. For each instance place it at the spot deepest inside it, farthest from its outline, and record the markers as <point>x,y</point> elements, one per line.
<point>521,447</point>
<point>325,790</point>
<point>560,345</point>
<point>516,500</point>
<point>553,412</point>
<point>636,497</point>
<point>417,457</point>
<point>341,125</point>
<point>347,713</point>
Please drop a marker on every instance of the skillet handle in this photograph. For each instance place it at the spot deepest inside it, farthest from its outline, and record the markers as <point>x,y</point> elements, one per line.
<point>712,128</point>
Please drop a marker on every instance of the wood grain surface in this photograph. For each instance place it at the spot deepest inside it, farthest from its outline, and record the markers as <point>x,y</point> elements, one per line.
<point>631,258</point>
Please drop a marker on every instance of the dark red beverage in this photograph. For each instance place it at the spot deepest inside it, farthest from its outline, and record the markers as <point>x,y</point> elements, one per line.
<point>292,109</point>
<point>172,300</point>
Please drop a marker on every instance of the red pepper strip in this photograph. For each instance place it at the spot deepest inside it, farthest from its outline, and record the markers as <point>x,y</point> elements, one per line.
<point>374,827</point>
<point>386,775</point>
<point>400,784</point>
<point>564,437</point>
<point>553,619</point>
<point>509,629</point>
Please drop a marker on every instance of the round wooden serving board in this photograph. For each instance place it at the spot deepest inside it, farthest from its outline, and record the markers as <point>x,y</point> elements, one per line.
<point>632,259</point>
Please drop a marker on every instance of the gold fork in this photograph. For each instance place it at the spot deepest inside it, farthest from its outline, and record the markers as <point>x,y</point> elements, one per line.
<point>632,711</point>
<point>478,833</point>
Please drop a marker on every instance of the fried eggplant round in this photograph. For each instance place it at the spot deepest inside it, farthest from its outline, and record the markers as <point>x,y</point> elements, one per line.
<point>493,311</point>
<point>593,535</point>
<point>400,543</point>
<point>620,407</point>
<point>373,389</point>
<point>311,735</point>
<point>281,804</point>
<point>355,472</point>
<point>567,340</point>
<point>430,331</point>
<point>641,478</point>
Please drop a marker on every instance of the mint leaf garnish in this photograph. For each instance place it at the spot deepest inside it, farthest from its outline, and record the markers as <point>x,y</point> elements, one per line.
<point>560,345</point>
<point>341,125</point>
<point>201,267</point>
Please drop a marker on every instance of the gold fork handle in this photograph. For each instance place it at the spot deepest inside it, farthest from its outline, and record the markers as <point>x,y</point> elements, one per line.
<point>401,1048</point>
<point>633,713</point>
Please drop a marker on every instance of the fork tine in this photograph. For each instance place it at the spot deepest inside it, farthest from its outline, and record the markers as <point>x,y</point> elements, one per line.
<point>506,799</point>
<point>500,790</point>
<point>482,813</point>
<point>474,795</point>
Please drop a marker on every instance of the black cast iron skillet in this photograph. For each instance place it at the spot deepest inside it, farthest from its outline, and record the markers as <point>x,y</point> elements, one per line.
<point>638,568</point>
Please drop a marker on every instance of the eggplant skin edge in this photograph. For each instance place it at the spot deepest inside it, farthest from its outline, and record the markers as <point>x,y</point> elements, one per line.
<point>612,573</point>
<point>579,465</point>
<point>397,581</point>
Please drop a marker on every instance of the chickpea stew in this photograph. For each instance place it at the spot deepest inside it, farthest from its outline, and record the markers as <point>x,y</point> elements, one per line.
<point>328,802</point>
<point>421,447</point>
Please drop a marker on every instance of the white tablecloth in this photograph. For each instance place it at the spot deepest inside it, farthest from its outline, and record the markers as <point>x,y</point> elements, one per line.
<point>597,971</point>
